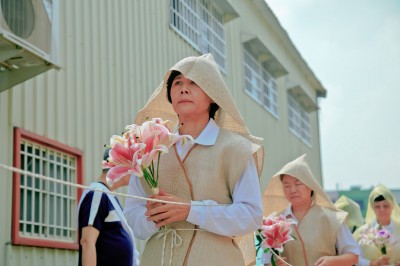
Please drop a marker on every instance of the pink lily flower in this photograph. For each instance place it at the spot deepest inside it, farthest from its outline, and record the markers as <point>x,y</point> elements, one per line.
<point>124,160</point>
<point>276,235</point>
<point>275,232</point>
<point>139,148</point>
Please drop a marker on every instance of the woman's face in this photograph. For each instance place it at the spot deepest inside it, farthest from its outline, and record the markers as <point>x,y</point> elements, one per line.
<point>383,211</point>
<point>296,192</point>
<point>188,99</point>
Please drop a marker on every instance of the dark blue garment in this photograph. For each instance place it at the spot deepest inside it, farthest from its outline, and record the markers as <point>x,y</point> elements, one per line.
<point>113,246</point>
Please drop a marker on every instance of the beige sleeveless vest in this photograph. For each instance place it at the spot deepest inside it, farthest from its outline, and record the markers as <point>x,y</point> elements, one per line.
<point>207,172</point>
<point>315,236</point>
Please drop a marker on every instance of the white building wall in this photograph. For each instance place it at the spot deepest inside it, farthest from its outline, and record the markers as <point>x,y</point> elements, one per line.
<point>281,145</point>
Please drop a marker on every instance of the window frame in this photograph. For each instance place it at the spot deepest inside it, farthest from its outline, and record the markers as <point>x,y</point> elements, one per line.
<point>304,126</point>
<point>202,35</point>
<point>17,239</point>
<point>259,94</point>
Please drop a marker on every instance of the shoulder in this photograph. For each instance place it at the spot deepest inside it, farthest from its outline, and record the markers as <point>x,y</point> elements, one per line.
<point>87,197</point>
<point>335,216</point>
<point>91,197</point>
<point>357,233</point>
<point>396,223</point>
<point>396,227</point>
<point>233,140</point>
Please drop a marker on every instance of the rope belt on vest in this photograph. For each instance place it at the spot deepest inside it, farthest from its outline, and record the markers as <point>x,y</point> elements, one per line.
<point>176,241</point>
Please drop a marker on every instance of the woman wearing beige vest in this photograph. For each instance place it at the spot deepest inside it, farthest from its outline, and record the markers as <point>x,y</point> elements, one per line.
<point>217,174</point>
<point>382,212</point>
<point>321,236</point>
<point>354,219</point>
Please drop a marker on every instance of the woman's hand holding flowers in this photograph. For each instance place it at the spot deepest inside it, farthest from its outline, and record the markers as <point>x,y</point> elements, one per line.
<point>163,213</point>
<point>383,260</point>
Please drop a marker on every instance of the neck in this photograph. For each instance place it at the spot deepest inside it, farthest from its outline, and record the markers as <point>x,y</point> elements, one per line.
<point>300,210</point>
<point>384,222</point>
<point>104,181</point>
<point>192,127</point>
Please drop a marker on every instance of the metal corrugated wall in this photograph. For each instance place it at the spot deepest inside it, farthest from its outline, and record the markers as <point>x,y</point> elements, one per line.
<point>113,54</point>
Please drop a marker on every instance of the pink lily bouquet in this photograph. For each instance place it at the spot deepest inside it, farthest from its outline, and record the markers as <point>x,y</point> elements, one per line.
<point>138,151</point>
<point>275,232</point>
<point>375,236</point>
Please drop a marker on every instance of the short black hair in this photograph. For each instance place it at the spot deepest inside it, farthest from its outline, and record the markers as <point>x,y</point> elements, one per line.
<point>213,106</point>
<point>171,78</point>
<point>105,158</point>
<point>106,154</point>
<point>212,110</point>
<point>379,198</point>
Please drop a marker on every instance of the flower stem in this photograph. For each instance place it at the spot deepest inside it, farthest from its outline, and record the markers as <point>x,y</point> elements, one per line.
<point>155,190</point>
<point>383,250</point>
<point>273,262</point>
<point>151,168</point>
<point>149,179</point>
<point>158,164</point>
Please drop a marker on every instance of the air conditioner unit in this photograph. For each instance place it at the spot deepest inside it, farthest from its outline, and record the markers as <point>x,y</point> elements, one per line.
<point>28,39</point>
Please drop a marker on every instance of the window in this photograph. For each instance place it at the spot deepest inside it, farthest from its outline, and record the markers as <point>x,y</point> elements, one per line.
<point>201,24</point>
<point>299,120</point>
<point>44,212</point>
<point>259,83</point>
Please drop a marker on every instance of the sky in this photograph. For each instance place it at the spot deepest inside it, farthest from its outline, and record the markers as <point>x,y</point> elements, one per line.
<point>353,48</point>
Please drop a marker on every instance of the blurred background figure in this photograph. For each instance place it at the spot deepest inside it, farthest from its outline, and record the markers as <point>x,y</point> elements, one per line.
<point>382,213</point>
<point>321,235</point>
<point>105,237</point>
<point>354,217</point>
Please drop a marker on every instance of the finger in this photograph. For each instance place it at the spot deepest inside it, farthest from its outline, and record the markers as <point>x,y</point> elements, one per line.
<point>159,216</point>
<point>153,206</point>
<point>318,262</point>
<point>162,223</point>
<point>166,221</point>
<point>160,219</point>
<point>161,208</point>
<point>155,219</point>
<point>162,192</point>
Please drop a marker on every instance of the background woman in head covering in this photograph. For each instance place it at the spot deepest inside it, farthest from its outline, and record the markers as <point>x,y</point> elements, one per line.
<point>221,167</point>
<point>354,217</point>
<point>321,236</point>
<point>382,212</point>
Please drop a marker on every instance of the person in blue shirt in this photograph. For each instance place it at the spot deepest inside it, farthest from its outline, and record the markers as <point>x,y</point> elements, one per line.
<point>105,237</point>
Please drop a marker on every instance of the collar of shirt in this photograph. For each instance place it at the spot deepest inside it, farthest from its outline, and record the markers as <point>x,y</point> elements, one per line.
<point>209,134</point>
<point>207,137</point>
<point>389,227</point>
<point>288,213</point>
